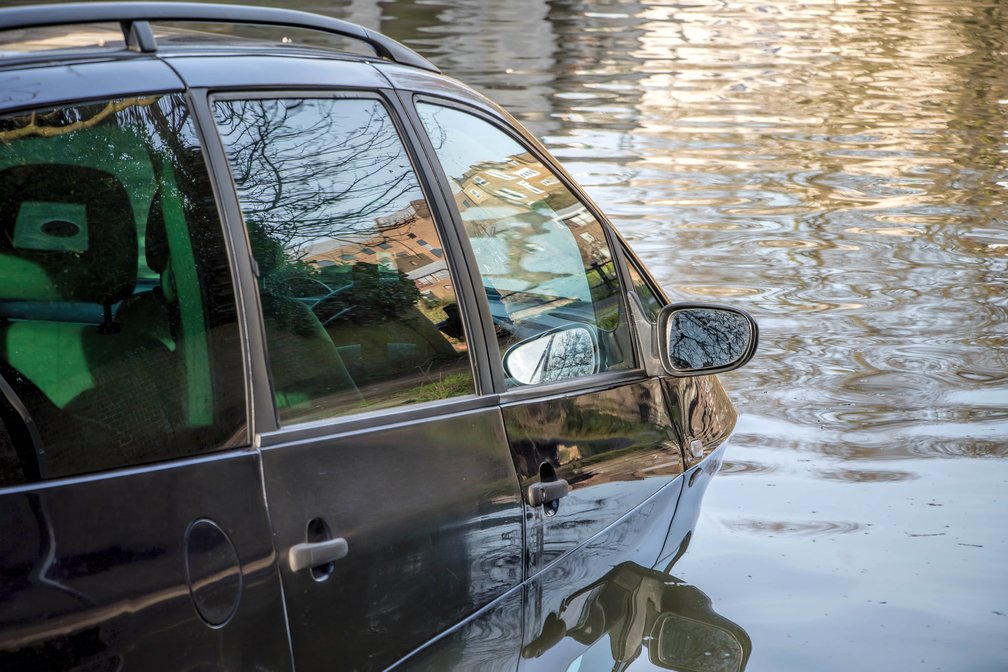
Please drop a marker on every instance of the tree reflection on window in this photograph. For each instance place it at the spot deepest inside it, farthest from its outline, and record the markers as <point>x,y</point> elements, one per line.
<point>348,256</point>
<point>701,338</point>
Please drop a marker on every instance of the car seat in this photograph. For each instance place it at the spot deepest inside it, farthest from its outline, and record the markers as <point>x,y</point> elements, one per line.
<point>154,311</point>
<point>101,394</point>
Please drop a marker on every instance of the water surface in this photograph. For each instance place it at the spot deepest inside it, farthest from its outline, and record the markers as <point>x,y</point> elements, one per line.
<point>839,169</point>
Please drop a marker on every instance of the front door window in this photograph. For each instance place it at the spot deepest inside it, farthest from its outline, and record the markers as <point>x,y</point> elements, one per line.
<point>547,268</point>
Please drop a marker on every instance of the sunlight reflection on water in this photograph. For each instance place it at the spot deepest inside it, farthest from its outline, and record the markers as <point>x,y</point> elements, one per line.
<point>839,169</point>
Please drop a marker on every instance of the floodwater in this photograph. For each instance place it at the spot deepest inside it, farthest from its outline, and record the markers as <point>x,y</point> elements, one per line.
<point>840,170</point>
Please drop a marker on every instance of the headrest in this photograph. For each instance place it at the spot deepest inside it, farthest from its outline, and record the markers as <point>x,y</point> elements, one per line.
<point>73,223</point>
<point>155,236</point>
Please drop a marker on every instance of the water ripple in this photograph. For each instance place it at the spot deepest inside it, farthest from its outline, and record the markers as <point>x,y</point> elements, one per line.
<point>810,528</point>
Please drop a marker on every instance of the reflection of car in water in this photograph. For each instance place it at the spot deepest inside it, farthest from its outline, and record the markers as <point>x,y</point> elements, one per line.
<point>633,608</point>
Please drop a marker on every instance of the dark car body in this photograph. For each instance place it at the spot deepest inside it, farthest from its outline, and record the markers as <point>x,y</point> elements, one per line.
<point>202,465</point>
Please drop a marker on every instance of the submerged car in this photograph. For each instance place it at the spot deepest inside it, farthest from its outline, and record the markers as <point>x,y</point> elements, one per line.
<point>318,360</point>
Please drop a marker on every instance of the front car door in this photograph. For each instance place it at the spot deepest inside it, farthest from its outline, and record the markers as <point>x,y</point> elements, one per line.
<point>389,481</point>
<point>133,529</point>
<point>592,437</point>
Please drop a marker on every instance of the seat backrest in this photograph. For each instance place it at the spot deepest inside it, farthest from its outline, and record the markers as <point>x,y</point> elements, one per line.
<point>76,224</point>
<point>155,311</point>
<point>68,254</point>
<point>305,363</point>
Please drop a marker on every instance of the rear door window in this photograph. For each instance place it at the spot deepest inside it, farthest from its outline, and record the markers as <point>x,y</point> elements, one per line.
<point>359,306</point>
<point>118,332</point>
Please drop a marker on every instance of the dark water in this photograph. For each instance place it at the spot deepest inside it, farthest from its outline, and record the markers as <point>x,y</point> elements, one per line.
<point>839,169</point>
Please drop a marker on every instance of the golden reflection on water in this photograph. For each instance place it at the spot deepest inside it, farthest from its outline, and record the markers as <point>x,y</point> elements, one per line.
<point>838,168</point>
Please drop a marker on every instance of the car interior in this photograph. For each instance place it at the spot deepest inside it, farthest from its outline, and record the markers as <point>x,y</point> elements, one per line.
<point>105,339</point>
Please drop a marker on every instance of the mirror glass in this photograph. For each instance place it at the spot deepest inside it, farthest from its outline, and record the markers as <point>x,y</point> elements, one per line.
<point>568,352</point>
<point>707,338</point>
<point>688,644</point>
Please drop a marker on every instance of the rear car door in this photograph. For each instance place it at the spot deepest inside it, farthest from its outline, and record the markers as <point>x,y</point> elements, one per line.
<point>133,525</point>
<point>395,507</point>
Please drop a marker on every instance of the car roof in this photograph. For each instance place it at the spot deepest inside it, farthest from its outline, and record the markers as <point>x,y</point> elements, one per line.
<point>134,19</point>
<point>55,53</point>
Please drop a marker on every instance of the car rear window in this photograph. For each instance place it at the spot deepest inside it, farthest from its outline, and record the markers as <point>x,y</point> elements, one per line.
<point>118,329</point>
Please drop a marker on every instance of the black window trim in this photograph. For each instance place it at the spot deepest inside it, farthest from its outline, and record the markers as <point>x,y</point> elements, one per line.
<point>267,430</point>
<point>633,260</point>
<point>239,263</point>
<point>502,121</point>
<point>366,421</point>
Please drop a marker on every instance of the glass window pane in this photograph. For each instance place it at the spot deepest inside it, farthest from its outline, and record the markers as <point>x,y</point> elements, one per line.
<point>649,299</point>
<point>118,325</point>
<point>358,301</point>
<point>546,266</point>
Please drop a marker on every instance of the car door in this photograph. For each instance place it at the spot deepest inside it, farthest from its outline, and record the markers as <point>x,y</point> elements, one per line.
<point>598,435</point>
<point>395,508</point>
<point>591,438</point>
<point>133,528</point>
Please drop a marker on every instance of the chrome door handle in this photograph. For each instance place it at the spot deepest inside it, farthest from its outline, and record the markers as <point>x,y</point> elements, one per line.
<point>550,491</point>
<point>303,556</point>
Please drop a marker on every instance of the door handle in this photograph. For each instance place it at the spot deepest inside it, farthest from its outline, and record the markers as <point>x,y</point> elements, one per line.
<point>303,556</point>
<point>550,491</point>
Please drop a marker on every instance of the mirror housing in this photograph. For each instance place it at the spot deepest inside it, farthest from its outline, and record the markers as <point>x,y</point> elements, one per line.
<point>569,351</point>
<point>700,339</point>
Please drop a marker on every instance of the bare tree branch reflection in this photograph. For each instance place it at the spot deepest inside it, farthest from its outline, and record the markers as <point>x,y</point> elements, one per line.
<point>554,356</point>
<point>703,338</point>
<point>307,170</point>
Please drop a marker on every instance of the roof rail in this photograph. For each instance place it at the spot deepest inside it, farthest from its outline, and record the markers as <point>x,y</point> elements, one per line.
<point>133,17</point>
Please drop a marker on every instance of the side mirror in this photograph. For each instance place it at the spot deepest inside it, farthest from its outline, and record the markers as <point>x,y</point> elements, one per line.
<point>566,352</point>
<point>700,340</point>
<point>682,643</point>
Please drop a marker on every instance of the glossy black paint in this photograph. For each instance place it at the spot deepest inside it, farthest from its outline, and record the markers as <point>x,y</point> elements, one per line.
<point>432,518</point>
<point>94,571</point>
<point>489,641</point>
<point>232,71</point>
<point>702,411</point>
<point>615,447</point>
<point>38,86</point>
<point>633,614</point>
<point>602,604</point>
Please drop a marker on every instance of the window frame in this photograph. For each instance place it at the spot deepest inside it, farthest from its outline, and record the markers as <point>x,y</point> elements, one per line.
<point>634,262</point>
<point>267,429</point>
<point>512,129</point>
